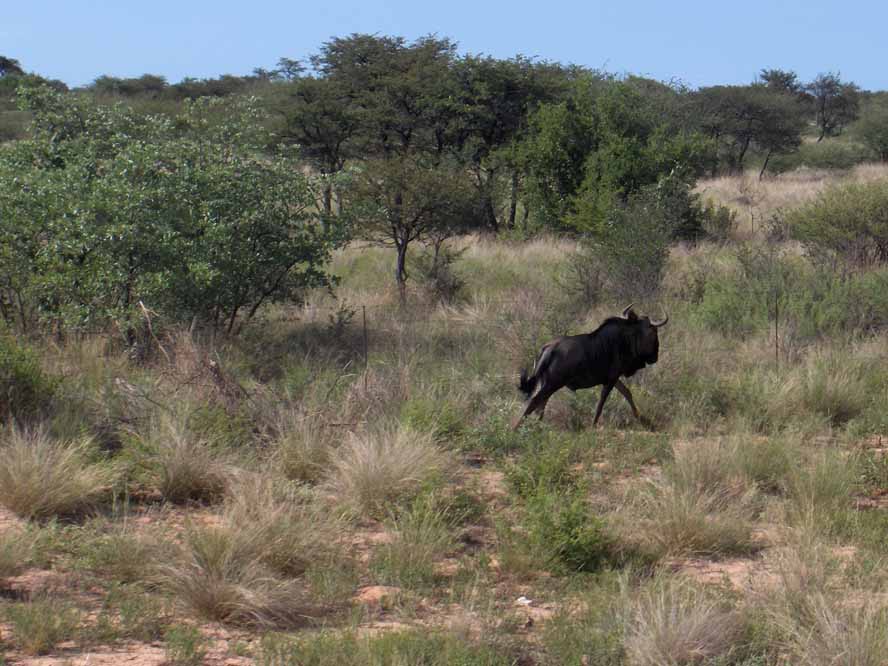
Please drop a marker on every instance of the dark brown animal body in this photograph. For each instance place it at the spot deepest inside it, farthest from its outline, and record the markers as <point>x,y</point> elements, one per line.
<point>620,347</point>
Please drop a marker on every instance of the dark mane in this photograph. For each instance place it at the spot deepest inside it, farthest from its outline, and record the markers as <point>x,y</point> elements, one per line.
<point>611,342</point>
<point>610,320</point>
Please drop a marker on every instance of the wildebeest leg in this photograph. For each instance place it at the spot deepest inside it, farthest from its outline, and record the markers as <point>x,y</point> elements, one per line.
<point>605,391</point>
<point>622,388</point>
<point>537,401</point>
<point>542,407</point>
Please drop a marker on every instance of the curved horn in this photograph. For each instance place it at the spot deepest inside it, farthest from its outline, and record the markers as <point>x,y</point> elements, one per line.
<point>627,308</point>
<point>662,322</point>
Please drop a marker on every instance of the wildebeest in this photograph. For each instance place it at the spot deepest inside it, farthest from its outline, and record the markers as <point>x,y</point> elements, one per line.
<point>620,347</point>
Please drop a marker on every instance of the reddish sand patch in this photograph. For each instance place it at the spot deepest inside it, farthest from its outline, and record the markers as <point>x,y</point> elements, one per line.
<point>741,574</point>
<point>9,521</point>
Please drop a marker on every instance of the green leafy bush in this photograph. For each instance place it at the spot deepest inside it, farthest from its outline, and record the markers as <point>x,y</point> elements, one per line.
<point>562,527</point>
<point>845,226</point>
<point>824,155</point>
<point>25,390</point>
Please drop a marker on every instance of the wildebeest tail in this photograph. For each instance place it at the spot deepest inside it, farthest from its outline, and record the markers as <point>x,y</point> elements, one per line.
<point>527,384</point>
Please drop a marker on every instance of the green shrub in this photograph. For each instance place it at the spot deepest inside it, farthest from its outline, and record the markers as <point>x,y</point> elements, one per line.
<point>824,155</point>
<point>564,530</point>
<point>213,423</point>
<point>442,417</point>
<point>811,301</point>
<point>16,550</point>
<point>631,248</point>
<point>41,624</point>
<point>421,534</point>
<point>591,634</point>
<point>25,390</point>
<point>185,646</point>
<point>544,466</point>
<point>845,225</point>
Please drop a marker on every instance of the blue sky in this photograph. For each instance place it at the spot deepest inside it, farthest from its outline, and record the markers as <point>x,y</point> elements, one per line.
<point>701,43</point>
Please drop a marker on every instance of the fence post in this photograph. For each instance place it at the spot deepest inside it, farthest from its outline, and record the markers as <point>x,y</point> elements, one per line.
<point>366,345</point>
<point>776,330</point>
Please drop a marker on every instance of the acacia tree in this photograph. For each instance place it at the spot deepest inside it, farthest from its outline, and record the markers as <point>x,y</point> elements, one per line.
<point>399,201</point>
<point>836,103</point>
<point>10,67</point>
<point>404,97</point>
<point>738,118</point>
<point>319,116</point>
<point>495,100</point>
<point>781,80</point>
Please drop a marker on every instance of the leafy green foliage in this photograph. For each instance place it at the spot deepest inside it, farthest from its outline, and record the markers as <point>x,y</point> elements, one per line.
<point>562,526</point>
<point>845,226</point>
<point>744,118</point>
<point>25,389</point>
<point>828,154</point>
<point>185,646</point>
<point>179,214</point>
<point>871,128</point>
<point>836,103</point>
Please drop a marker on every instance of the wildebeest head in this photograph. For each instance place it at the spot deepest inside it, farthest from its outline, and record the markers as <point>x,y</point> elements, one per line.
<point>647,342</point>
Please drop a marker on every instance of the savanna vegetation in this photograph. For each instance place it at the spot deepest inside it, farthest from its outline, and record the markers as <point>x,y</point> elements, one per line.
<point>260,346</point>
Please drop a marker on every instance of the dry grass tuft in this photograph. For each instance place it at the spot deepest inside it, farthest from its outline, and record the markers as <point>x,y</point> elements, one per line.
<point>841,634</point>
<point>291,529</point>
<point>681,521</point>
<point>250,570</point>
<point>42,478</point>
<point>220,575</point>
<point>182,467</point>
<point>303,446</point>
<point>674,623</point>
<point>374,470</point>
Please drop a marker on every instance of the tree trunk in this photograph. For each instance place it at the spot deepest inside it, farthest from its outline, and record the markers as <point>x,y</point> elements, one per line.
<point>328,198</point>
<point>765,165</point>
<point>401,272</point>
<point>742,154</point>
<point>490,213</point>
<point>513,199</point>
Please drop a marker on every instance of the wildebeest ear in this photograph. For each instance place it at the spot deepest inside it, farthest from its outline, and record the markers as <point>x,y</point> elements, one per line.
<point>629,313</point>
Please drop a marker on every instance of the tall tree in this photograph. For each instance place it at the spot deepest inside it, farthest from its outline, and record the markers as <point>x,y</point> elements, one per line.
<point>781,80</point>
<point>836,103</point>
<point>496,98</point>
<point>10,67</point>
<point>319,115</point>
<point>742,117</point>
<point>405,99</point>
